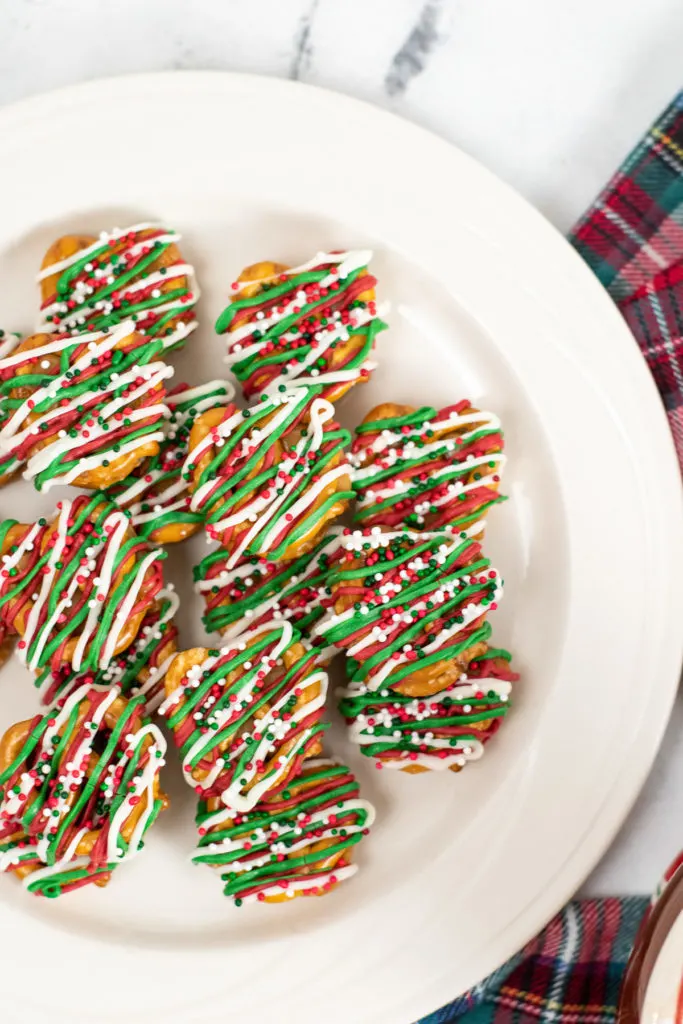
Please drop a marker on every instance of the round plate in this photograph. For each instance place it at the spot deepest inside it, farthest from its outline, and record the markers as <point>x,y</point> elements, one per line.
<point>490,303</point>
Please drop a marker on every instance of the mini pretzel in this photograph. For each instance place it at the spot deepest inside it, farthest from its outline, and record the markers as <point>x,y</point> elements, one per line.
<point>444,731</point>
<point>90,409</point>
<point>410,609</point>
<point>245,717</point>
<point>78,791</point>
<point>138,671</point>
<point>76,590</point>
<point>257,591</point>
<point>298,843</point>
<point>156,495</point>
<point>267,484</point>
<point>9,464</point>
<point>423,470</point>
<point>89,283</point>
<point>312,325</point>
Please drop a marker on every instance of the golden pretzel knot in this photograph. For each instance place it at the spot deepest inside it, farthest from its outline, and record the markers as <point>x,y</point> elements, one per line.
<point>139,670</point>
<point>298,842</point>
<point>15,611</point>
<point>397,645</point>
<point>443,731</point>
<point>47,365</point>
<point>266,462</point>
<point>93,769</point>
<point>426,469</point>
<point>245,717</point>
<point>254,279</point>
<point>70,245</point>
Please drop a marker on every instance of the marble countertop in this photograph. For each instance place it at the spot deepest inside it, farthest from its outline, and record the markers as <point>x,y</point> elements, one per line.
<point>550,96</point>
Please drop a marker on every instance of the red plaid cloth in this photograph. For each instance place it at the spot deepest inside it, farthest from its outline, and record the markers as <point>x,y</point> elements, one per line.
<point>632,237</point>
<point>570,973</point>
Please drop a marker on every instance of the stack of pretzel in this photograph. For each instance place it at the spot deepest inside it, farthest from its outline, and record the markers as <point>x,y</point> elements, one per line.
<point>413,589</point>
<point>275,817</point>
<point>404,592</point>
<point>82,599</point>
<point>85,402</point>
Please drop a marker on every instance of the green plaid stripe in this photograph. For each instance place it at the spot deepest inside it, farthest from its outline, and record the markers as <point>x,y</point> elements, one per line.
<point>632,237</point>
<point>571,972</point>
<point>634,229</point>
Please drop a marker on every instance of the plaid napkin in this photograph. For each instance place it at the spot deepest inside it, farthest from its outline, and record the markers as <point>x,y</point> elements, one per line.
<point>570,973</point>
<point>632,238</point>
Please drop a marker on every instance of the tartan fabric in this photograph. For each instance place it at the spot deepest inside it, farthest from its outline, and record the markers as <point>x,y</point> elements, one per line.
<point>570,973</point>
<point>632,238</point>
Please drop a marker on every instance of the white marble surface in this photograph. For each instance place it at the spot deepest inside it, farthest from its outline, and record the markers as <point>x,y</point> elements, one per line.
<point>549,95</point>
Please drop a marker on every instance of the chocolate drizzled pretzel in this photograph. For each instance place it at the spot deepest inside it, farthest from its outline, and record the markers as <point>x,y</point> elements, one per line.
<point>446,730</point>
<point>258,591</point>
<point>410,609</point>
<point>424,470</point>
<point>156,494</point>
<point>94,283</point>
<point>83,410</point>
<point>246,716</point>
<point>267,482</point>
<point>299,842</point>
<point>79,788</point>
<point>139,670</point>
<point>313,325</point>
<point>77,589</point>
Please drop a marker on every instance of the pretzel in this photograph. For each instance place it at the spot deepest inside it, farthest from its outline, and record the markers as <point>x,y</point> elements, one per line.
<point>424,470</point>
<point>298,843</point>
<point>78,791</point>
<point>9,467</point>
<point>258,591</point>
<point>94,283</point>
<point>443,731</point>
<point>76,590</point>
<point>267,483</point>
<point>311,325</point>
<point>84,410</point>
<point>246,716</point>
<point>139,670</point>
<point>410,609</point>
<point>9,464</point>
<point>7,642</point>
<point>155,494</point>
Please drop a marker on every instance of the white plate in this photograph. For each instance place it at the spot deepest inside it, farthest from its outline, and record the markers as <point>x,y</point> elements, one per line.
<point>489,303</point>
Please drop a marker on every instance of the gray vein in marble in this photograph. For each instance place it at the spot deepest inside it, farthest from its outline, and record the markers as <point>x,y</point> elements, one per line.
<point>303,50</point>
<point>412,58</point>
